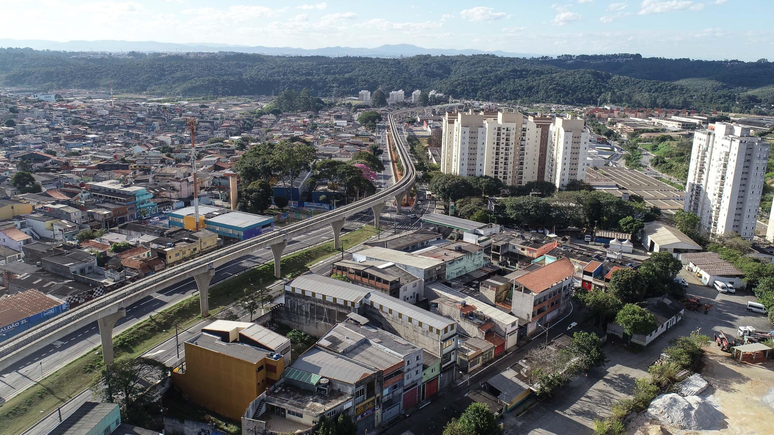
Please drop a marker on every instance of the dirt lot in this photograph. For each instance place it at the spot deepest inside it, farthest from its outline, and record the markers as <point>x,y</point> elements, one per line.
<point>741,391</point>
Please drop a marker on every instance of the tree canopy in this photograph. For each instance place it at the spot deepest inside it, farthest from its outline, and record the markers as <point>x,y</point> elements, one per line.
<point>369,119</point>
<point>476,420</point>
<point>587,347</point>
<point>25,182</point>
<point>627,285</point>
<point>636,320</point>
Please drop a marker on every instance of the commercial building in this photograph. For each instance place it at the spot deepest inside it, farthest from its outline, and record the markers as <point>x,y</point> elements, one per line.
<point>226,223</point>
<point>540,295</point>
<point>657,237</point>
<point>486,143</point>
<point>26,309</point>
<point>566,159</point>
<point>125,194</point>
<point>229,364</point>
<point>726,178</point>
<point>177,248</point>
<point>709,268</point>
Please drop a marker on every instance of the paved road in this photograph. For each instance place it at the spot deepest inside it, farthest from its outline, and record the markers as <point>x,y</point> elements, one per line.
<point>431,419</point>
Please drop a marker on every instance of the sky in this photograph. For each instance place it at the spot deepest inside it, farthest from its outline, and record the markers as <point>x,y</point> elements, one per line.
<point>703,29</point>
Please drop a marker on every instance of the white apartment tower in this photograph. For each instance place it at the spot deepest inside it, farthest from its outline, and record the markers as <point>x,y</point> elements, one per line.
<point>725,179</point>
<point>396,96</point>
<point>365,96</point>
<point>566,157</point>
<point>486,143</point>
<point>415,96</point>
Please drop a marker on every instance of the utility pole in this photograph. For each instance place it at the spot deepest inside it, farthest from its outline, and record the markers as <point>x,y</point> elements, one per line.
<point>177,343</point>
<point>191,124</point>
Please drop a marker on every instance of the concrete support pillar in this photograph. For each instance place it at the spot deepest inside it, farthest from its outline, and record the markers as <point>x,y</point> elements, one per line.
<point>337,226</point>
<point>377,209</point>
<point>203,284</point>
<point>106,334</point>
<point>277,249</point>
<point>399,201</point>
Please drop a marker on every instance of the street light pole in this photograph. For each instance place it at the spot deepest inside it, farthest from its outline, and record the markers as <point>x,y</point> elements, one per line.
<point>177,343</point>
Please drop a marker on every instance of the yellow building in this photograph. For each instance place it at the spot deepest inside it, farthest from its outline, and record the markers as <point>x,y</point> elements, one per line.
<point>229,364</point>
<point>189,247</point>
<point>10,209</point>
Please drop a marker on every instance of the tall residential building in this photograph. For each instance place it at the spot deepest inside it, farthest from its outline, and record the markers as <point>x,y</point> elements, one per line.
<point>566,158</point>
<point>396,96</point>
<point>726,178</point>
<point>365,96</point>
<point>536,143</point>
<point>415,96</point>
<point>486,143</point>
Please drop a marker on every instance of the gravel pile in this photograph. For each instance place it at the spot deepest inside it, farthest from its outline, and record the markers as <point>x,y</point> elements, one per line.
<point>692,386</point>
<point>692,412</point>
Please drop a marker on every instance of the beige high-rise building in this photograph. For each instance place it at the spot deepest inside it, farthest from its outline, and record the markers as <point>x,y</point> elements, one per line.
<point>486,143</point>
<point>536,142</point>
<point>566,158</point>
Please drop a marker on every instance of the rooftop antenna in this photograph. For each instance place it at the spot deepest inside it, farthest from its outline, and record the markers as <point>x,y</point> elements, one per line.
<point>191,124</point>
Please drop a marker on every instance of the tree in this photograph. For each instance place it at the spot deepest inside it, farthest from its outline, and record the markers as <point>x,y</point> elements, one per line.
<point>467,207</point>
<point>10,123</point>
<point>120,247</point>
<point>292,158</point>
<point>256,198</point>
<point>636,320</point>
<point>50,152</point>
<point>528,210</point>
<point>627,285</point>
<point>125,384</point>
<point>256,164</point>
<point>477,419</point>
<point>378,99</point>
<point>375,150</point>
<point>601,304</point>
<point>369,160</point>
<point>13,109</point>
<point>539,188</point>
<point>488,186</point>
<point>369,119</point>
<point>631,225</point>
<point>687,222</point>
<point>484,216</point>
<point>451,187</point>
<point>578,185</point>
<point>84,235</point>
<point>587,347</point>
<point>659,272</point>
<point>281,202</point>
<point>25,182</point>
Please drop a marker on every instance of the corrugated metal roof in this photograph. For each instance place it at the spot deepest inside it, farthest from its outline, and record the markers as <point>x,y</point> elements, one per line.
<point>330,365</point>
<point>399,257</point>
<point>416,313</point>
<point>239,219</point>
<point>497,315</point>
<point>265,337</point>
<point>330,287</point>
<point>669,237</point>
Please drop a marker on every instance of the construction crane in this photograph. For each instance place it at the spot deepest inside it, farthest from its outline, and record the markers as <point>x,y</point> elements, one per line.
<point>191,124</point>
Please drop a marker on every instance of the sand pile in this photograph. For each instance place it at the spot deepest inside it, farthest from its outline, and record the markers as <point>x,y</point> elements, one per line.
<point>692,386</point>
<point>692,412</point>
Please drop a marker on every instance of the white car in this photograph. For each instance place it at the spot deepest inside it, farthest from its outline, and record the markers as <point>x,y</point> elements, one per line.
<point>721,287</point>
<point>572,325</point>
<point>730,288</point>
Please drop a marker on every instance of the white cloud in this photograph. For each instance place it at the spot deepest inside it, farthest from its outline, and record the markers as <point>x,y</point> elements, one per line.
<point>481,13</point>
<point>300,18</point>
<point>615,7</point>
<point>234,14</point>
<point>660,7</point>
<point>566,17</point>
<point>719,2</point>
<point>513,30</point>
<point>382,24</point>
<point>446,17</point>
<point>585,1</point>
<point>613,17</point>
<point>318,6</point>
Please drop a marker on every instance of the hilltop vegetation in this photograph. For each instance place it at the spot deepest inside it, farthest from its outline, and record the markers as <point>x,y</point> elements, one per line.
<point>619,79</point>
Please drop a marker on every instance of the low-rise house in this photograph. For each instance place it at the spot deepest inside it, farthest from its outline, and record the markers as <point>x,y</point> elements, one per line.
<point>385,277</point>
<point>667,311</point>
<point>460,258</point>
<point>425,268</point>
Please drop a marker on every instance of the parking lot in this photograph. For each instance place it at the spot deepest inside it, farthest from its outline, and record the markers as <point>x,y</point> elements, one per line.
<point>590,397</point>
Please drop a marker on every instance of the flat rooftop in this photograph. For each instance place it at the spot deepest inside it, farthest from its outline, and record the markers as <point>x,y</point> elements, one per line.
<point>399,257</point>
<point>244,352</point>
<point>240,219</point>
<point>84,419</point>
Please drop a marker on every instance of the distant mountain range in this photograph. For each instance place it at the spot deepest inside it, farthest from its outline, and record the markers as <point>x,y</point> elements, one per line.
<point>386,51</point>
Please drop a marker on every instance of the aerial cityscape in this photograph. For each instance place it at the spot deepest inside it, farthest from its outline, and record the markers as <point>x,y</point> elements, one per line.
<point>247,218</point>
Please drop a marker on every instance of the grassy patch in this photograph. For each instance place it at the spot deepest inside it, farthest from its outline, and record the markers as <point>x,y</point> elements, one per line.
<point>27,408</point>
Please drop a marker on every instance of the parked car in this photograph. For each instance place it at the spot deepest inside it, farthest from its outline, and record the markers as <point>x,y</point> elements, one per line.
<point>587,238</point>
<point>411,216</point>
<point>730,288</point>
<point>681,281</point>
<point>755,307</point>
<point>721,287</point>
<point>572,325</point>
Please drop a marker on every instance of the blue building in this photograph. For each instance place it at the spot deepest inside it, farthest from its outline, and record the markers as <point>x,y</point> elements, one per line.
<point>239,225</point>
<point>24,310</point>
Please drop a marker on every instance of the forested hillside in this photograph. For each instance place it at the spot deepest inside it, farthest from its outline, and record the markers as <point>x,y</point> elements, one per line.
<point>679,83</point>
